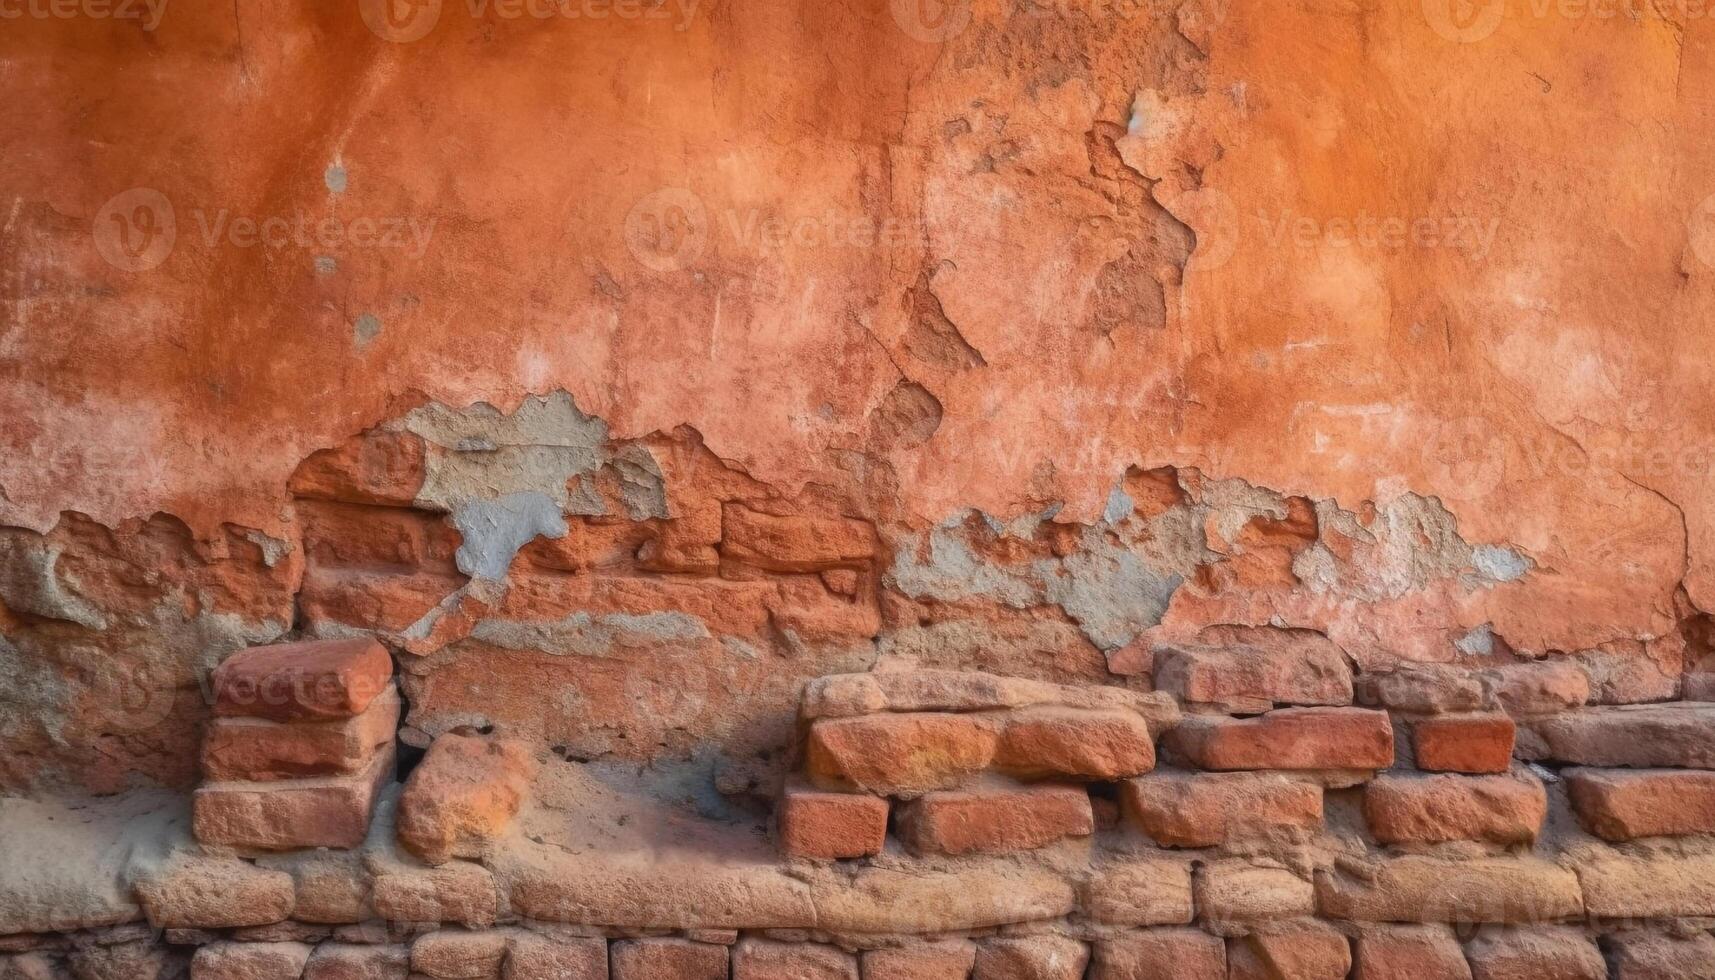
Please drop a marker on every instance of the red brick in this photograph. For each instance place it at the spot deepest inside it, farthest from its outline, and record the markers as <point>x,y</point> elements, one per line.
<point>1161,954</point>
<point>1299,951</point>
<point>1621,805</point>
<point>994,818</point>
<point>1431,809</point>
<point>1290,738</point>
<point>252,748</point>
<point>372,600</point>
<point>1181,809</point>
<point>831,826</point>
<point>1075,743</point>
<point>796,543</point>
<point>1542,953</point>
<point>667,959</point>
<point>760,959</point>
<point>462,796</point>
<point>1249,680</point>
<point>534,957</point>
<point>1538,687</point>
<point>324,811</point>
<point>1031,958</point>
<point>1425,952</point>
<point>948,959</point>
<point>1657,956</point>
<point>900,753</point>
<point>374,468</point>
<point>457,954</point>
<point>365,536</point>
<point>317,679</point>
<point>1678,735</point>
<point>1474,743</point>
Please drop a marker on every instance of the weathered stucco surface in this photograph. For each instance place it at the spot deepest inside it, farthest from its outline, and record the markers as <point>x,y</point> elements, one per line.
<point>1345,316</point>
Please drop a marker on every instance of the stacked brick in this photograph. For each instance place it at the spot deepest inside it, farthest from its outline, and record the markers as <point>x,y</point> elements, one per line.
<point>300,747</point>
<point>965,763</point>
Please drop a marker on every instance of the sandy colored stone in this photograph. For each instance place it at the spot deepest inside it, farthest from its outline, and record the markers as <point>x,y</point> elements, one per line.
<point>250,961</point>
<point>462,796</point>
<point>829,826</point>
<point>1430,809</point>
<point>993,818</point>
<point>1288,738</point>
<point>319,811</point>
<point>1408,952</point>
<point>1238,891</point>
<point>1249,680</point>
<point>1075,743</point>
<point>1641,736</point>
<point>1622,885</point>
<point>1537,688</point>
<point>1535,953</point>
<point>1423,688</point>
<point>1030,958</point>
<point>1160,954</point>
<point>458,954</point>
<point>667,959</point>
<point>761,959</point>
<point>947,959</point>
<point>900,753</point>
<point>214,893</point>
<point>932,689</point>
<point>332,886</point>
<point>1622,805</point>
<point>314,679</point>
<point>535,957</point>
<point>255,749</point>
<point>351,961</point>
<point>991,893</point>
<point>1305,950</point>
<point>1468,743</point>
<point>457,892</point>
<point>1643,955</point>
<point>1416,888</point>
<point>1139,891</point>
<point>1183,809</point>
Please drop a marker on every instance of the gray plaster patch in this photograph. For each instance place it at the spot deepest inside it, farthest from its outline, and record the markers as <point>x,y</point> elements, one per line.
<point>1479,642</point>
<point>1499,564</point>
<point>951,571</point>
<point>583,635</point>
<point>494,530</point>
<point>326,265</point>
<point>365,329</point>
<point>1119,506</point>
<point>335,178</point>
<point>1111,593</point>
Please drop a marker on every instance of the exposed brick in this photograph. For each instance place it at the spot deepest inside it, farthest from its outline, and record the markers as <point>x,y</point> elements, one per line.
<point>795,543</point>
<point>316,679</point>
<point>325,811</point>
<point>1075,743</point>
<point>1621,805</point>
<point>1539,687</point>
<point>829,826</point>
<point>930,689</point>
<point>1424,688</point>
<point>1645,735</point>
<point>1471,743</point>
<point>900,753</point>
<point>371,600</point>
<point>948,959</point>
<point>1290,738</point>
<point>534,957</point>
<point>457,954</point>
<point>460,891</point>
<point>667,959</point>
<point>374,468</point>
<point>1629,672</point>
<point>350,961</point>
<point>1238,891</point>
<point>992,818</point>
<point>1421,952</point>
<point>1245,679</point>
<point>1306,950</point>
<point>1181,809</point>
<point>250,961</point>
<point>1413,888</point>
<point>1031,958</point>
<point>1535,953</point>
<point>214,893</point>
<point>1139,891</point>
<point>256,749</point>
<point>368,536</point>
<point>1657,956</point>
<point>1429,809</point>
<point>1161,954</point>
<point>463,795</point>
<point>1647,884</point>
<point>761,959</point>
